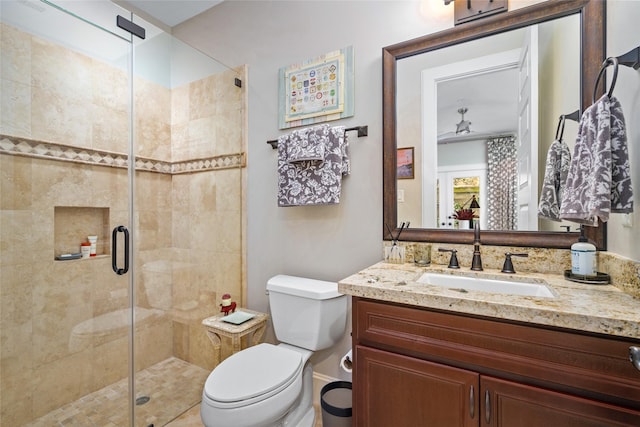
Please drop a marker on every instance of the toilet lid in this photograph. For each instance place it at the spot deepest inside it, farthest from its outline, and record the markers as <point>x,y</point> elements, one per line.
<point>261,370</point>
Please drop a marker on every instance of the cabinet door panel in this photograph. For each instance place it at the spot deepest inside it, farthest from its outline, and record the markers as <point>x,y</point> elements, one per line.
<point>399,391</point>
<point>513,404</point>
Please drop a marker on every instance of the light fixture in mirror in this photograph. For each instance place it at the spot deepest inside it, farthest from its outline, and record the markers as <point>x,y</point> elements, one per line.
<point>418,71</point>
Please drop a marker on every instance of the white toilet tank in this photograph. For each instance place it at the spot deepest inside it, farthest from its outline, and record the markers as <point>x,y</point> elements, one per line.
<point>307,313</point>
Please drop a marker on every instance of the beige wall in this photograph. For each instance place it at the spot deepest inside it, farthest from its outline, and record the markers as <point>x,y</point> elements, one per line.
<point>188,227</point>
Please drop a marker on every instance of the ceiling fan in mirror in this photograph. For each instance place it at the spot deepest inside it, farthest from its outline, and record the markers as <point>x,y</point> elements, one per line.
<point>464,126</point>
<point>462,131</point>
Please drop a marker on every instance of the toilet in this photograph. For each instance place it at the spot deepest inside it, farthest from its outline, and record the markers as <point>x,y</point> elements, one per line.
<point>272,385</point>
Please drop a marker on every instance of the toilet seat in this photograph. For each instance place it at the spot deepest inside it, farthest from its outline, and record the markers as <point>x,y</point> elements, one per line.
<point>253,375</point>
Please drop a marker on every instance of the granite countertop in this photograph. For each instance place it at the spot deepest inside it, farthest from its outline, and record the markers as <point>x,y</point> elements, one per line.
<point>602,309</point>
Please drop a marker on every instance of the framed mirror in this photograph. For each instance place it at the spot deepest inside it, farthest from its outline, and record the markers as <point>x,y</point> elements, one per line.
<point>445,78</point>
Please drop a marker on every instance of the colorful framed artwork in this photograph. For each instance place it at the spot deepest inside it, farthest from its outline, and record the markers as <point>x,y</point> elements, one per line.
<point>404,163</point>
<point>317,90</point>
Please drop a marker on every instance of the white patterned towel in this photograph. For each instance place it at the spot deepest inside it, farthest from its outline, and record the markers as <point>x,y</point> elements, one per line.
<point>307,144</point>
<point>312,182</point>
<point>555,178</point>
<point>599,180</point>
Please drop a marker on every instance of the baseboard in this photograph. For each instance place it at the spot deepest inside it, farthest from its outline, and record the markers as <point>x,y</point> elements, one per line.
<point>319,381</point>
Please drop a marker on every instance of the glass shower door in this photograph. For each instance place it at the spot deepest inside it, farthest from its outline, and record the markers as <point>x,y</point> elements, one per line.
<point>101,129</point>
<point>65,133</point>
<point>188,126</point>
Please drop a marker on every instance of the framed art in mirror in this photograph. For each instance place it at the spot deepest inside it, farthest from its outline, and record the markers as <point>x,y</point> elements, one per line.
<point>404,163</point>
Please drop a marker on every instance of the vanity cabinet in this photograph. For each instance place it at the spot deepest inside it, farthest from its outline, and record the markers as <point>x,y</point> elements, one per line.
<point>420,367</point>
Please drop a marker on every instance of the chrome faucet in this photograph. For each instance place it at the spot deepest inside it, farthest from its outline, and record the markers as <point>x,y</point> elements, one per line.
<point>476,262</point>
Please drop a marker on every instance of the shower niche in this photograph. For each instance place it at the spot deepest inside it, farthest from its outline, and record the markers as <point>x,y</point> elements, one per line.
<point>72,225</point>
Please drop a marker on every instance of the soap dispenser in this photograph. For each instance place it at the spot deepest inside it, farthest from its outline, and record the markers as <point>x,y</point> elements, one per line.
<point>583,256</point>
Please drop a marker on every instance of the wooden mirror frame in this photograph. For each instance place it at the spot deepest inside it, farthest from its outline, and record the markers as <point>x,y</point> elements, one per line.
<point>593,51</point>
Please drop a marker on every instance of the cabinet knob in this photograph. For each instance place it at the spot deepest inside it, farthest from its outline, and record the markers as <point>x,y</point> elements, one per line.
<point>634,356</point>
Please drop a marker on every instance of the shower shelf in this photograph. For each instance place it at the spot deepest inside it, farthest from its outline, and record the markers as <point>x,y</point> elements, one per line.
<point>72,225</point>
<point>80,259</point>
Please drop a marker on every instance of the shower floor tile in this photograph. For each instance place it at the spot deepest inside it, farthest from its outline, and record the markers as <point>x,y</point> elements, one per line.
<point>191,418</point>
<point>173,385</point>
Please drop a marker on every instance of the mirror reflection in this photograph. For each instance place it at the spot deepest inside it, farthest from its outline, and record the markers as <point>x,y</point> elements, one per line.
<point>480,117</point>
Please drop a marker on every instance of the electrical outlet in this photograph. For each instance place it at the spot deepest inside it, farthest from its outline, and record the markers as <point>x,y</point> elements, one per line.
<point>627,220</point>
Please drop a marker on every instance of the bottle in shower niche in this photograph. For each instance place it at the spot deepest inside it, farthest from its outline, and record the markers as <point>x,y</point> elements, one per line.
<point>583,256</point>
<point>94,244</point>
<point>85,250</point>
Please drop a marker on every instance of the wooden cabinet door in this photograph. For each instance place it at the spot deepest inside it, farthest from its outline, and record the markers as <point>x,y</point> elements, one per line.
<point>401,391</point>
<point>507,404</point>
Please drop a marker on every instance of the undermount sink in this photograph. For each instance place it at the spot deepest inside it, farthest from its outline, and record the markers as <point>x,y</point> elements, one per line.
<point>465,283</point>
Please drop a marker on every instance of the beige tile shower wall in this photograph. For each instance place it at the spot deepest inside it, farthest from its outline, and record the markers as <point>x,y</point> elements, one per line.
<point>152,120</point>
<point>207,120</point>
<point>207,230</point>
<point>202,125</point>
<point>61,93</point>
<point>54,94</point>
<point>15,82</point>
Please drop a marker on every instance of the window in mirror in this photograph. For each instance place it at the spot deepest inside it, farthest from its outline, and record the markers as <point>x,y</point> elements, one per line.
<point>459,190</point>
<point>465,190</point>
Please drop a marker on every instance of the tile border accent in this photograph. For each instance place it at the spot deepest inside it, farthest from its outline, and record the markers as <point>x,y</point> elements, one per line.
<point>67,153</point>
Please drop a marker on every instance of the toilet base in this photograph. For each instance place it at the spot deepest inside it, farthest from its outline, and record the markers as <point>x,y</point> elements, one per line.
<point>303,414</point>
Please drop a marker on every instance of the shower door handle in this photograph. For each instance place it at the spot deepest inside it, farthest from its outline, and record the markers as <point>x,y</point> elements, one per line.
<point>114,252</point>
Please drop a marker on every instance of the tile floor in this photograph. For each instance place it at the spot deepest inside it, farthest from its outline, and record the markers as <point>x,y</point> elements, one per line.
<point>191,418</point>
<point>173,385</point>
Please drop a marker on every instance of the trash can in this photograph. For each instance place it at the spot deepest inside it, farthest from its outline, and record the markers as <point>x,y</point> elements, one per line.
<point>335,400</point>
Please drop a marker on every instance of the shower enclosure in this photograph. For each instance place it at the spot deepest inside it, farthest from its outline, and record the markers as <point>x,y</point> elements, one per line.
<point>136,139</point>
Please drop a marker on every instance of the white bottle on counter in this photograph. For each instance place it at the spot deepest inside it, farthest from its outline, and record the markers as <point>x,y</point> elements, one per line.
<point>583,256</point>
